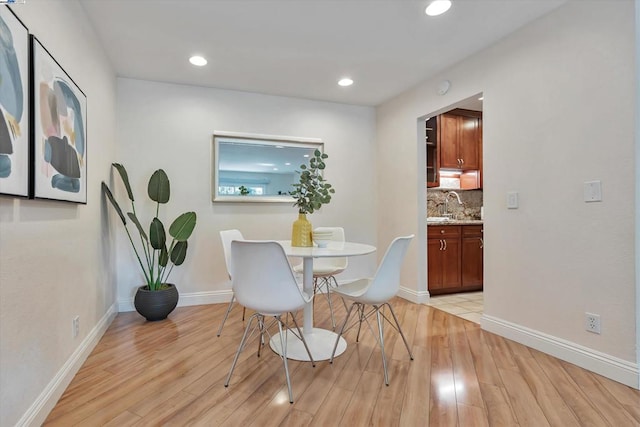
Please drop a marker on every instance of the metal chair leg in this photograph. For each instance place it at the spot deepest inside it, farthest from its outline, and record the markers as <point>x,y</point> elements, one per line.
<point>326,285</point>
<point>240,347</point>
<point>344,324</point>
<point>293,317</point>
<point>361,318</point>
<point>283,346</point>
<point>406,344</point>
<point>384,357</point>
<point>229,307</point>
<point>261,330</point>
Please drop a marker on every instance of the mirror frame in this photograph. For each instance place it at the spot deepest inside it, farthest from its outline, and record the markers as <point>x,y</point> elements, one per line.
<point>254,139</point>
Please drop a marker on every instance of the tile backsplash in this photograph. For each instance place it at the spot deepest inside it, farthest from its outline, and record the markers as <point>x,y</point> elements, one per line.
<point>471,203</point>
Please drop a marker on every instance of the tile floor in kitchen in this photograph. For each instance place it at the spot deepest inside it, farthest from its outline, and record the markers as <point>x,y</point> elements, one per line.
<point>468,305</point>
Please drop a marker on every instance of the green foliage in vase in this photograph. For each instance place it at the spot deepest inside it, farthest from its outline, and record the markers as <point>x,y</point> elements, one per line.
<point>159,259</point>
<point>312,191</point>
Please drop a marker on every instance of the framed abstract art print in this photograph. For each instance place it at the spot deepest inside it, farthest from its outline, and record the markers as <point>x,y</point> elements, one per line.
<point>14,105</point>
<point>59,131</point>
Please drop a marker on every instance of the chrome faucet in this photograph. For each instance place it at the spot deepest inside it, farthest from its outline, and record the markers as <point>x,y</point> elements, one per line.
<point>446,202</point>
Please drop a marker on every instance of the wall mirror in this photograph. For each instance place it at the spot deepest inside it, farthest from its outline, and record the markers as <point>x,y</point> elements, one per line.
<point>257,168</point>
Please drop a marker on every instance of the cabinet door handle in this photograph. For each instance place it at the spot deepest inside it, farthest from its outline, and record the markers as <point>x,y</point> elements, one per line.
<point>440,244</point>
<point>481,243</point>
<point>445,245</point>
<point>462,161</point>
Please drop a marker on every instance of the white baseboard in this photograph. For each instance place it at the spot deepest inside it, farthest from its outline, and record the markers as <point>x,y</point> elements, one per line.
<point>39,410</point>
<point>186,299</point>
<point>416,297</point>
<point>606,365</point>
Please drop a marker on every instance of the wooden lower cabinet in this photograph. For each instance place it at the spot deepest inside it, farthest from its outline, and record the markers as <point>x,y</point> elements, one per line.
<point>454,258</point>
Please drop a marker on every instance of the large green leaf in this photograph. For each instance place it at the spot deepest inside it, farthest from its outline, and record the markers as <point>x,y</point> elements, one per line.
<point>114,203</point>
<point>179,252</point>
<point>157,236</point>
<point>164,257</point>
<point>183,226</point>
<point>159,189</point>
<point>134,219</point>
<point>125,179</point>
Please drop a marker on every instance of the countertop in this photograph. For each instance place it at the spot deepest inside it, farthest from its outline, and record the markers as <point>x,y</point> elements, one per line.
<point>456,222</point>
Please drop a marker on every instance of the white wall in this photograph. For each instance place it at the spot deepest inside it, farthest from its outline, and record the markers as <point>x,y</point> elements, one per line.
<point>170,126</point>
<point>558,111</point>
<point>54,262</point>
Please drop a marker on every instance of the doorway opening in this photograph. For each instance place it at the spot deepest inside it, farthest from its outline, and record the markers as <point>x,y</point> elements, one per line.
<point>454,206</point>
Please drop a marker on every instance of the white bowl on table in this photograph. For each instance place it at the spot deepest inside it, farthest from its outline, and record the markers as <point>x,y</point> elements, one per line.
<point>322,238</point>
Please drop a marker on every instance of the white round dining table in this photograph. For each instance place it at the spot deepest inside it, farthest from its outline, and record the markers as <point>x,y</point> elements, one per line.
<point>320,341</point>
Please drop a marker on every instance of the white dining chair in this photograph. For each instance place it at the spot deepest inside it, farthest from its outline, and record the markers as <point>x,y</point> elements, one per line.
<point>266,284</point>
<point>377,292</point>
<point>325,269</point>
<point>227,236</point>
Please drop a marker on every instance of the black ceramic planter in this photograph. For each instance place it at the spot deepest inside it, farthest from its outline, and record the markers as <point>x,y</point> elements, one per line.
<point>156,305</point>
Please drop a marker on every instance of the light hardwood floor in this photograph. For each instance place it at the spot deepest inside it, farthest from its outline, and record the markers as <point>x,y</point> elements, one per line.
<point>172,372</point>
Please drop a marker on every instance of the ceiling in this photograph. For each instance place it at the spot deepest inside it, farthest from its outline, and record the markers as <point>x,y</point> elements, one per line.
<point>301,48</point>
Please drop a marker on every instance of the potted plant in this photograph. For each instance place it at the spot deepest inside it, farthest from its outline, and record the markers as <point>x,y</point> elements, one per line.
<point>310,193</point>
<point>157,298</point>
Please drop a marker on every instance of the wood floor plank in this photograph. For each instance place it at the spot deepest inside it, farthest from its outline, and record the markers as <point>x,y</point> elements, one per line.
<point>573,396</point>
<point>464,373</point>
<point>415,411</point>
<point>172,373</point>
<point>472,416</point>
<point>388,407</point>
<point>333,406</point>
<point>442,396</point>
<point>553,406</point>
<point>363,401</point>
<point>600,398</point>
<point>499,411</point>
<point>527,410</point>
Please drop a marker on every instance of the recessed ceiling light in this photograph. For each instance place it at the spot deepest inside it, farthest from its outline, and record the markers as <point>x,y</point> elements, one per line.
<point>306,155</point>
<point>198,61</point>
<point>345,82</point>
<point>287,164</point>
<point>437,7</point>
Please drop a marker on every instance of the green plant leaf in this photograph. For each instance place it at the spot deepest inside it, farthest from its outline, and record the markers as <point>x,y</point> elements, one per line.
<point>115,205</point>
<point>183,226</point>
<point>163,258</point>
<point>132,216</point>
<point>157,235</point>
<point>159,188</point>
<point>125,179</point>
<point>179,252</point>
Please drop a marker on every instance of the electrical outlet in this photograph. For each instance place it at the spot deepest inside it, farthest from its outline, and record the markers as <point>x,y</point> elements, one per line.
<point>592,322</point>
<point>76,326</point>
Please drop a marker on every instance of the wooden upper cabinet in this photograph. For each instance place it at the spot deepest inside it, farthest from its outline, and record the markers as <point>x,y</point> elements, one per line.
<point>449,141</point>
<point>469,143</point>
<point>460,139</point>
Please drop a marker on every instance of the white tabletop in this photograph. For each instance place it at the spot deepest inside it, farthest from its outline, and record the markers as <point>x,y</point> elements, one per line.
<point>333,249</point>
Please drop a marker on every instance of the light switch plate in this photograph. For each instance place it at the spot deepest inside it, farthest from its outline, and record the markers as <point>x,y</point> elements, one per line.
<point>592,191</point>
<point>512,200</point>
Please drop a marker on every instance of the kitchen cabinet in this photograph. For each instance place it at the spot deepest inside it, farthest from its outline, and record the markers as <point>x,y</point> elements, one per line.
<point>472,255</point>
<point>433,155</point>
<point>460,139</point>
<point>443,260</point>
<point>454,258</point>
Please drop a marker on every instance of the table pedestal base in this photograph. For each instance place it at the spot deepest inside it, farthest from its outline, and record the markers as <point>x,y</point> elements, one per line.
<point>320,342</point>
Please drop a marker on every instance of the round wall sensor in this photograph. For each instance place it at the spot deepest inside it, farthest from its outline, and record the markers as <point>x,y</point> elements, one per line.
<point>443,87</point>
